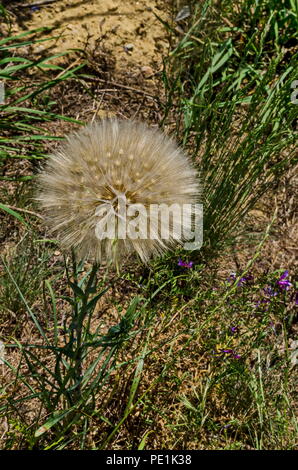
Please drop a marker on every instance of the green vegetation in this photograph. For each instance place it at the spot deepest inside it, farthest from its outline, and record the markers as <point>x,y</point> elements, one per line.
<point>230,87</point>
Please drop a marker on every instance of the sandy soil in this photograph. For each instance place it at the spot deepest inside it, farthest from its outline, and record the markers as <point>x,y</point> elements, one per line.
<point>128,28</point>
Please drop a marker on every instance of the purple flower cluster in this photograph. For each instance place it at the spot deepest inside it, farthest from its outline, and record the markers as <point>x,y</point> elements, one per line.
<point>233,329</point>
<point>282,284</point>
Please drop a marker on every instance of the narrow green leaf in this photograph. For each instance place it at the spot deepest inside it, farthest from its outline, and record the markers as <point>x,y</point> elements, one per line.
<point>54,419</point>
<point>14,214</point>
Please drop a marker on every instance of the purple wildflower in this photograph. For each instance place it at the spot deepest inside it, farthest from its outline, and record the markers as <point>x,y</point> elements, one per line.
<point>245,279</point>
<point>263,301</point>
<point>184,264</point>
<point>284,283</point>
<point>269,291</point>
<point>236,356</point>
<point>233,329</point>
<point>294,297</point>
<point>231,353</point>
<point>272,326</point>
<point>242,280</point>
<point>225,427</point>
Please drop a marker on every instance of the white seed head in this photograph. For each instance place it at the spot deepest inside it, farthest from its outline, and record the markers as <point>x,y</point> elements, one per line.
<point>104,161</point>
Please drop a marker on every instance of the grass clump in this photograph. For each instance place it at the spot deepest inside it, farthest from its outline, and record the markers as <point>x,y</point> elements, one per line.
<point>27,83</point>
<point>229,81</point>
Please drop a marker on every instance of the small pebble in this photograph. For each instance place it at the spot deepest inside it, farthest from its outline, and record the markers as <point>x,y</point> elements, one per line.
<point>183,14</point>
<point>147,71</point>
<point>128,47</point>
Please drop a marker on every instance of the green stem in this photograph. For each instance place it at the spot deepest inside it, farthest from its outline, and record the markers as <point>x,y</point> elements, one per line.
<point>78,322</point>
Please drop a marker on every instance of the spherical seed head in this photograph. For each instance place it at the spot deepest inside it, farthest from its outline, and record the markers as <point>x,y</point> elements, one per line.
<point>98,188</point>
